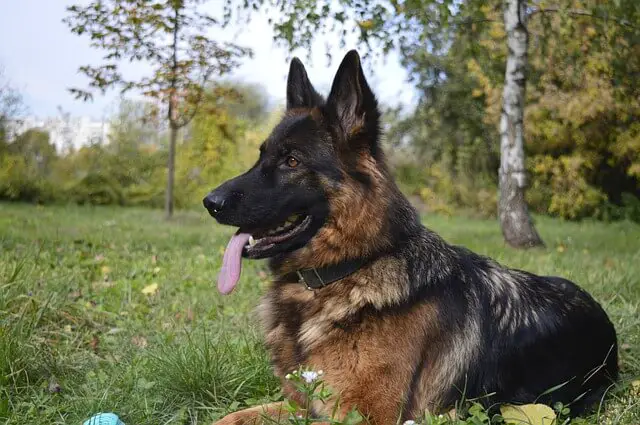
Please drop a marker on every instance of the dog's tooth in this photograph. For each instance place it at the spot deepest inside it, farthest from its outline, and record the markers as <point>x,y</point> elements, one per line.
<point>252,241</point>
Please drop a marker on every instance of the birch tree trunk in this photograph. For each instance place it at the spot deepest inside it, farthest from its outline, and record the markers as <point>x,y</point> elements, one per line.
<point>515,221</point>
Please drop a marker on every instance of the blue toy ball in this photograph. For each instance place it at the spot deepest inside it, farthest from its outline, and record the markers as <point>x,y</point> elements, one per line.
<point>104,419</point>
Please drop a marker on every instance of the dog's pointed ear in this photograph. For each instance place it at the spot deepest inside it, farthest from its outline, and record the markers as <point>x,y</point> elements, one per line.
<point>300,91</point>
<point>352,104</point>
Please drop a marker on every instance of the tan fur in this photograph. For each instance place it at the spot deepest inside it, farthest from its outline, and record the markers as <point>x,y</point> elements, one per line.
<point>355,227</point>
<point>372,369</point>
<point>383,349</point>
<point>255,415</point>
<point>369,364</point>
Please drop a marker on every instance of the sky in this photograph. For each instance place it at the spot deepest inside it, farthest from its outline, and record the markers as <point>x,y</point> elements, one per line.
<point>40,56</point>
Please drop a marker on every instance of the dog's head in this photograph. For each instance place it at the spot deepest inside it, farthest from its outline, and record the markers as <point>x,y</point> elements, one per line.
<point>316,192</point>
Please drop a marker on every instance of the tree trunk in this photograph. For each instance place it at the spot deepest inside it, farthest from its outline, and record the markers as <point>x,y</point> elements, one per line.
<point>172,116</point>
<point>171,171</point>
<point>517,227</point>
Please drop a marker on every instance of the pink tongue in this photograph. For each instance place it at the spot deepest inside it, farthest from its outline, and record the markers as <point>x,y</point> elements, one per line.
<point>232,263</point>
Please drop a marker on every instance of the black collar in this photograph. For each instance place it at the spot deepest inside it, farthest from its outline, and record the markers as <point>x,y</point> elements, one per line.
<point>321,277</point>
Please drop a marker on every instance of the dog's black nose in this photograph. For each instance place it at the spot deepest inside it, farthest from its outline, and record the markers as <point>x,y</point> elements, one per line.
<point>214,203</point>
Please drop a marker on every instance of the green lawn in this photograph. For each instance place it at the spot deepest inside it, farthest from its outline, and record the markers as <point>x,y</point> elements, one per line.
<point>112,309</point>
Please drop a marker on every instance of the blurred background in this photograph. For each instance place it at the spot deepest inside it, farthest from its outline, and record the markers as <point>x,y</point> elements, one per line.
<point>88,98</point>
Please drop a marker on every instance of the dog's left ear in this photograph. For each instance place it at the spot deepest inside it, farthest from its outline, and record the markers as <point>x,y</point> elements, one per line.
<point>352,105</point>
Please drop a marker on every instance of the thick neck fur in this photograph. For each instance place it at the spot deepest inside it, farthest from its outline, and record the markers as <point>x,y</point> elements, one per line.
<point>368,217</point>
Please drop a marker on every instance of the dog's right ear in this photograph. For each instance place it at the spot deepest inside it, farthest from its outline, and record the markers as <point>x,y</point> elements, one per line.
<point>300,91</point>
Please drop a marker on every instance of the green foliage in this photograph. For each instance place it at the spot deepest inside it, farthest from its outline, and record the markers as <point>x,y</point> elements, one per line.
<point>25,168</point>
<point>169,36</point>
<point>11,107</point>
<point>581,116</point>
<point>582,110</point>
<point>130,169</point>
<point>74,317</point>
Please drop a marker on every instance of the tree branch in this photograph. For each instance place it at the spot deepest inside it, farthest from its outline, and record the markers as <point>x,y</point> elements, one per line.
<point>582,12</point>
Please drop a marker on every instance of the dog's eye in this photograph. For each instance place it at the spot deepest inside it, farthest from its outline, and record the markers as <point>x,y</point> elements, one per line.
<point>292,162</point>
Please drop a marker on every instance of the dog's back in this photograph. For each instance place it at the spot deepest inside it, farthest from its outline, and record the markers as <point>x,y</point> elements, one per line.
<point>521,335</point>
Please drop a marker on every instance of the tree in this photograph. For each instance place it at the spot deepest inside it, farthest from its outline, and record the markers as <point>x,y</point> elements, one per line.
<point>424,31</point>
<point>11,107</point>
<point>35,147</point>
<point>515,221</point>
<point>169,36</point>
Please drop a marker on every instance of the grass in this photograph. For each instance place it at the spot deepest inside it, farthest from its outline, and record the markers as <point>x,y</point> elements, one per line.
<point>111,309</point>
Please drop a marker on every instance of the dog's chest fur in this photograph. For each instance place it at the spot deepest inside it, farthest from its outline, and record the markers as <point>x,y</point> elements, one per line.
<point>369,353</point>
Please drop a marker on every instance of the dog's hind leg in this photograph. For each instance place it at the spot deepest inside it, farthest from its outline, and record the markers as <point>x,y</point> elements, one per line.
<point>272,413</point>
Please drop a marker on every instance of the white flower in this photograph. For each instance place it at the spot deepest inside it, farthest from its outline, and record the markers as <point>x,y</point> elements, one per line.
<point>309,376</point>
<point>409,422</point>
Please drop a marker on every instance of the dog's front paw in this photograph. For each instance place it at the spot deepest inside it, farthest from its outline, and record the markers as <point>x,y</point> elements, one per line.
<point>239,418</point>
<point>255,415</point>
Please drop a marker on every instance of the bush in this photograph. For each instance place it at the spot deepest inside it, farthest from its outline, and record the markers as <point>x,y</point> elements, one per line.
<point>559,188</point>
<point>19,183</point>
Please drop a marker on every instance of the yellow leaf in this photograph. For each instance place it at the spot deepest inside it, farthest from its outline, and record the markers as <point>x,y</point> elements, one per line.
<point>150,289</point>
<point>367,25</point>
<point>528,414</point>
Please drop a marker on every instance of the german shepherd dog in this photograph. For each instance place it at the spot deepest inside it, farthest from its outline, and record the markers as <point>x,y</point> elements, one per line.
<point>399,321</point>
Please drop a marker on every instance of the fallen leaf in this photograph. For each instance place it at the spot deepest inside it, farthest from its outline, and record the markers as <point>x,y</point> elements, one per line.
<point>528,414</point>
<point>139,341</point>
<point>189,314</point>
<point>94,343</point>
<point>150,289</point>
